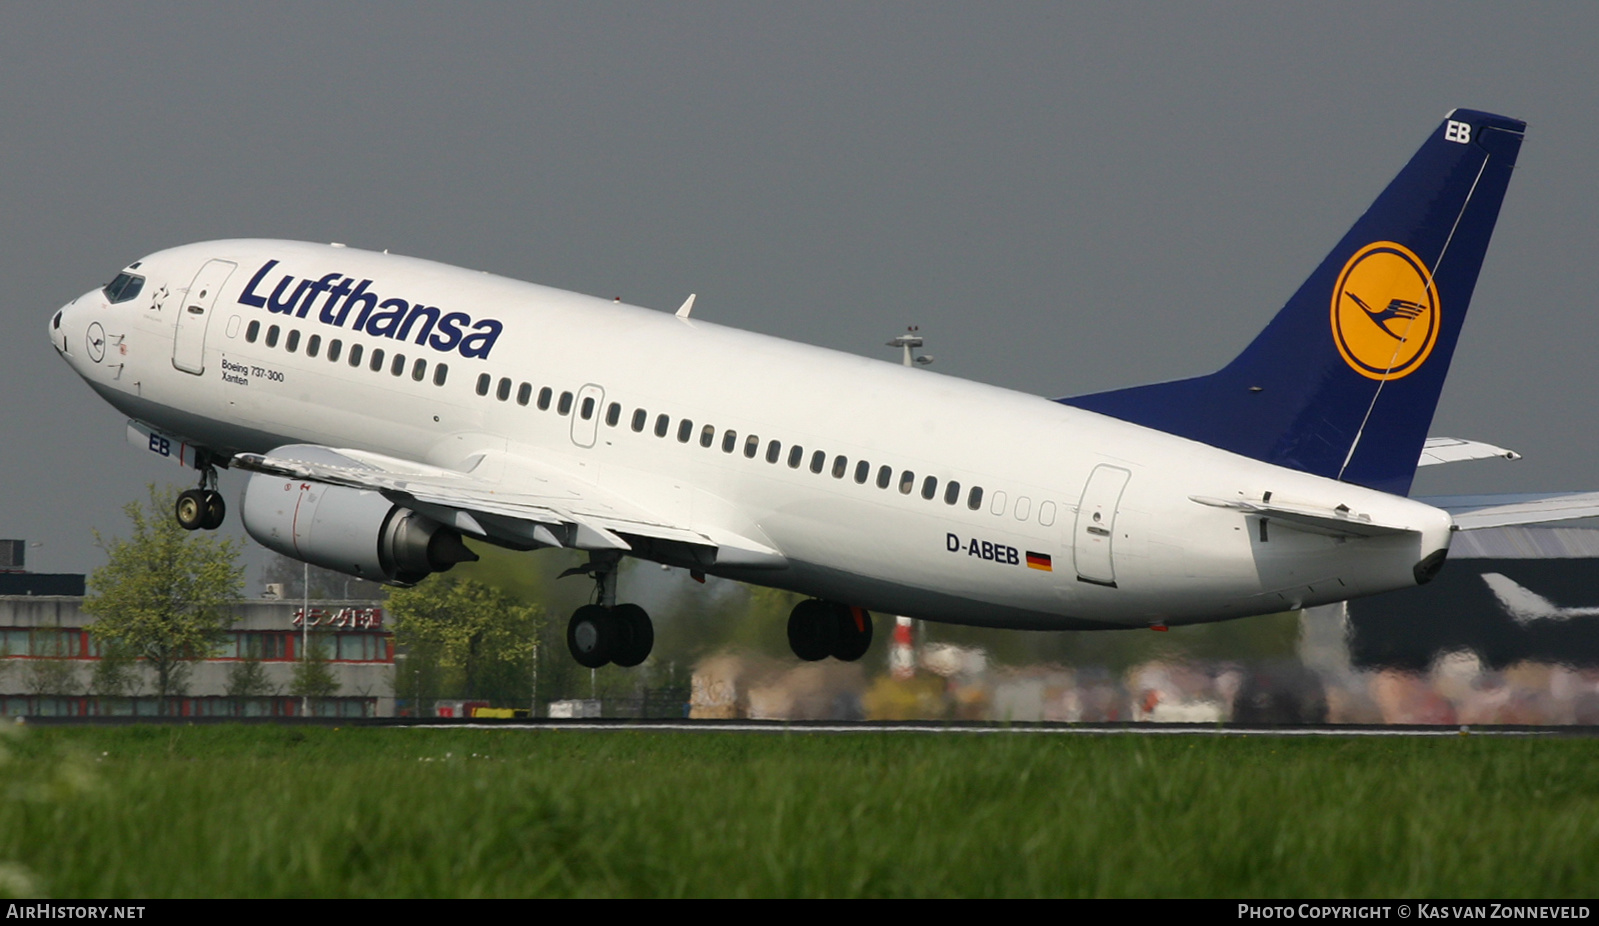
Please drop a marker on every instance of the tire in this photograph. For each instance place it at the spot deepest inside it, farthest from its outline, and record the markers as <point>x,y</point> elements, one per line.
<point>216,510</point>
<point>812,630</point>
<point>591,636</point>
<point>191,509</point>
<point>854,632</point>
<point>636,635</point>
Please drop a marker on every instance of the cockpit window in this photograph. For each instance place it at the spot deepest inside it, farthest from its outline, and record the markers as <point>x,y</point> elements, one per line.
<point>125,287</point>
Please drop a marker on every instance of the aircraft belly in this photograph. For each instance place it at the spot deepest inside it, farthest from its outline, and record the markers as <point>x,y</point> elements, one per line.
<point>962,567</point>
<point>892,597</point>
<point>224,437</point>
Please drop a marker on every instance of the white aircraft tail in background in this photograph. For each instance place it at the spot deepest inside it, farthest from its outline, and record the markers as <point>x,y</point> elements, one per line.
<point>1526,606</point>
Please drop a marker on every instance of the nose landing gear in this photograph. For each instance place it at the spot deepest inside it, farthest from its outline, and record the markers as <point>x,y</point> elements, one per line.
<point>608,632</point>
<point>202,508</point>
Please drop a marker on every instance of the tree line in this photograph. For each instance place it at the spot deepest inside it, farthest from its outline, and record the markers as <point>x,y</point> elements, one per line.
<point>164,599</point>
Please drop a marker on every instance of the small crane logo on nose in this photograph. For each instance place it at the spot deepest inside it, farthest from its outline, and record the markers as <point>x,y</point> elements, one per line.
<point>95,341</point>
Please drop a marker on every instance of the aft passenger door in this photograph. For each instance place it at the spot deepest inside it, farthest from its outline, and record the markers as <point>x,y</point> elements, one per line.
<point>1095,531</point>
<point>194,315</point>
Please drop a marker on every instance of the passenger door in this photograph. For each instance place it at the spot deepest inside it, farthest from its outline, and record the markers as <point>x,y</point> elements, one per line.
<point>1095,531</point>
<point>194,315</point>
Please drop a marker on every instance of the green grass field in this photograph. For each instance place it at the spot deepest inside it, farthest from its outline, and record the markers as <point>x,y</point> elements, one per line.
<point>265,811</point>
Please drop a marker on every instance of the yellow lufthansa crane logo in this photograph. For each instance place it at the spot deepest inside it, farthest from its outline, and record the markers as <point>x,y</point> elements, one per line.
<point>1385,311</point>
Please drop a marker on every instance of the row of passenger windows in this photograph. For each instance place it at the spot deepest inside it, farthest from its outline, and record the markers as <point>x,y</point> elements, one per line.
<point>524,395</point>
<point>586,410</point>
<point>796,458</point>
<point>335,349</point>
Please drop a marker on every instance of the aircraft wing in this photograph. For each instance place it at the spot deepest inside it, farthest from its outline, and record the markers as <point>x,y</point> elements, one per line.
<point>1453,450</point>
<point>528,505</point>
<point>1476,512</point>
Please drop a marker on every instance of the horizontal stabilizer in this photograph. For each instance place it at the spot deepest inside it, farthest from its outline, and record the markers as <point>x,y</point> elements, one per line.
<point>1476,512</point>
<point>1455,450</point>
<point>1337,522</point>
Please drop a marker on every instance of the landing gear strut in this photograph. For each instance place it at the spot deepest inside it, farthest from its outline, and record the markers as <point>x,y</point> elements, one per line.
<point>607,632</point>
<point>202,508</point>
<point>818,629</point>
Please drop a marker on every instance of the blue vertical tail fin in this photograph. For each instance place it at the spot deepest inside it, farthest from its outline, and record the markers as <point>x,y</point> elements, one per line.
<point>1344,380</point>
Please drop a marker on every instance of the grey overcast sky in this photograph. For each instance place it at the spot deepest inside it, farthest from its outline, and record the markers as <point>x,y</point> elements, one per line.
<point>1065,197</point>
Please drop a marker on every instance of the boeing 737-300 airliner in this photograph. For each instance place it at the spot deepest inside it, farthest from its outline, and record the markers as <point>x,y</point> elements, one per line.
<point>389,409</point>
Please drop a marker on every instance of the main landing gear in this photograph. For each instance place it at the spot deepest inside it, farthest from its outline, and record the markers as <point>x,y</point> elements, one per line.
<point>202,508</point>
<point>607,632</point>
<point>818,629</point>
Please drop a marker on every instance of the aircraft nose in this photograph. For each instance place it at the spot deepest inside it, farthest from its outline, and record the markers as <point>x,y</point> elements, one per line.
<point>59,329</point>
<point>75,334</point>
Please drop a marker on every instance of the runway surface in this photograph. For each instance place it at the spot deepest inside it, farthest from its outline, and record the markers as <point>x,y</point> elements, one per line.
<point>826,726</point>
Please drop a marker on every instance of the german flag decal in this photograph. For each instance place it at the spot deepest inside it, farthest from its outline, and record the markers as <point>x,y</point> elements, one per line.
<point>1039,561</point>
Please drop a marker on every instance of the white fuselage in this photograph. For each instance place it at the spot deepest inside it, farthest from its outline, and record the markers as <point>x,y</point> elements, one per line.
<point>1031,554</point>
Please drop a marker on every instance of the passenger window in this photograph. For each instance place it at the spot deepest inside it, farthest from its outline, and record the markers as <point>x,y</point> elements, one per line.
<point>885,475</point>
<point>252,332</point>
<point>1046,514</point>
<point>685,430</point>
<point>544,398</point>
<point>272,336</point>
<point>334,348</point>
<point>752,446</point>
<point>292,342</point>
<point>952,492</point>
<point>907,482</point>
<point>708,435</point>
<point>397,368</point>
<point>863,469</point>
<point>587,409</point>
<point>355,357</point>
<point>419,370</point>
<point>773,451</point>
<point>504,391</point>
<point>974,501</point>
<point>483,380</point>
<point>613,414</point>
<point>313,345</point>
<point>564,407</point>
<point>640,416</point>
<point>662,422</point>
<point>1023,506</point>
<point>729,441</point>
<point>377,360</point>
<point>818,461</point>
<point>796,456</point>
<point>998,507</point>
<point>439,372</point>
<point>929,487</point>
<point>840,467</point>
<point>524,393</point>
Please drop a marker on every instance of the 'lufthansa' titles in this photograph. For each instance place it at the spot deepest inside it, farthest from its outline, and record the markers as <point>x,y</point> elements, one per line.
<point>351,303</point>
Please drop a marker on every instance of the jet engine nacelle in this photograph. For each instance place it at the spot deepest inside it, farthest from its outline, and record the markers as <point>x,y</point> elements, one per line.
<point>354,531</point>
